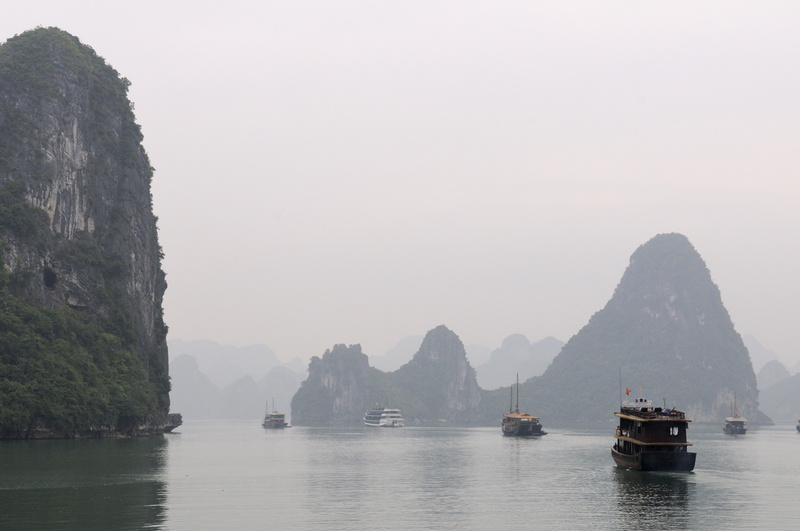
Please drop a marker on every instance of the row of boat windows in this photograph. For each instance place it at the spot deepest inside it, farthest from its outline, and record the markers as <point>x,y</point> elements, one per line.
<point>673,430</point>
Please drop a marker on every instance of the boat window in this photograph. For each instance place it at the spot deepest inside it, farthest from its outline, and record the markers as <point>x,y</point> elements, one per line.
<point>673,431</point>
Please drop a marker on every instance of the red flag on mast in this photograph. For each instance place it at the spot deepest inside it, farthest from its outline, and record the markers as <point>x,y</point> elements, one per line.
<point>627,391</point>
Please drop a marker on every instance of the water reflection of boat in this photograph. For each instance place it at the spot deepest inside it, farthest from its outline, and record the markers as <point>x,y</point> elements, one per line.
<point>652,438</point>
<point>516,423</point>
<point>653,501</point>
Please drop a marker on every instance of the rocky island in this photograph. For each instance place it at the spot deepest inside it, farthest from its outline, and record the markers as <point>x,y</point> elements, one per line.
<point>83,349</point>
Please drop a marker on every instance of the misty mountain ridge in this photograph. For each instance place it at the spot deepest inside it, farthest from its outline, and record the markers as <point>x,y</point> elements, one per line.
<point>664,331</point>
<point>772,373</point>
<point>225,364</point>
<point>213,381</point>
<point>517,356</point>
<point>759,354</point>
<point>781,401</point>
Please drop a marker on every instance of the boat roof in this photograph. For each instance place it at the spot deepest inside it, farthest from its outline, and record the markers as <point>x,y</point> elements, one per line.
<point>519,415</point>
<point>642,409</point>
<point>657,416</point>
<point>735,419</point>
<point>653,417</point>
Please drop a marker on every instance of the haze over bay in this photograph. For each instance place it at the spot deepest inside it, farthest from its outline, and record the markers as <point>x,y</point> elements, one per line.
<point>359,172</point>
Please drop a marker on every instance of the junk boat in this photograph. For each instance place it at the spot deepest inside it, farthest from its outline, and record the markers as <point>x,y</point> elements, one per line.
<point>734,425</point>
<point>384,417</point>
<point>519,424</point>
<point>652,438</point>
<point>274,420</point>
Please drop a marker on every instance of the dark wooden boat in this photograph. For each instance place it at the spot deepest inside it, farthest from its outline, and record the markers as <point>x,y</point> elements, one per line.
<point>516,423</point>
<point>652,438</point>
<point>734,425</point>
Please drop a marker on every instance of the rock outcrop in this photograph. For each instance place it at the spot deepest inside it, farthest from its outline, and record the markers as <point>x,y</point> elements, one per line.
<point>438,385</point>
<point>440,372</point>
<point>665,333</point>
<point>71,153</point>
<point>338,388</point>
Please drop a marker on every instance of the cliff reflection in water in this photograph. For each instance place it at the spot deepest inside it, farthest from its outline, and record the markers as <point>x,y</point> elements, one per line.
<point>654,499</point>
<point>83,484</point>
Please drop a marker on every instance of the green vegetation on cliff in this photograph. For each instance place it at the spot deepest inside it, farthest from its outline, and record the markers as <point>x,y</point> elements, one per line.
<point>60,372</point>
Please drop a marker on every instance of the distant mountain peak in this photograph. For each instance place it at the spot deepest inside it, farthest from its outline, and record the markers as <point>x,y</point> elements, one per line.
<point>440,343</point>
<point>665,328</point>
<point>666,278</point>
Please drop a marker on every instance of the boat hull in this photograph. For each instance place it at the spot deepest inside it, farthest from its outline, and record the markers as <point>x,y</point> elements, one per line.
<point>524,431</point>
<point>658,461</point>
<point>389,424</point>
<point>734,431</point>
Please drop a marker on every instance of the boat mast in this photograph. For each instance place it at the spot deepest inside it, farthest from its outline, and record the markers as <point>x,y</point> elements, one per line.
<point>516,406</point>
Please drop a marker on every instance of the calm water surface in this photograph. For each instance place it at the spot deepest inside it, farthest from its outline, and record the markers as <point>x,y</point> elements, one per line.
<point>235,475</point>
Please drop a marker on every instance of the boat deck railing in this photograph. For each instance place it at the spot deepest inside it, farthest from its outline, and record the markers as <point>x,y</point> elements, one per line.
<point>653,413</point>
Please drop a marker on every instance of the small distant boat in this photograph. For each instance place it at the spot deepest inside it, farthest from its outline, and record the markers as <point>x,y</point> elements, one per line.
<point>520,424</point>
<point>798,424</point>
<point>734,425</point>
<point>384,417</point>
<point>274,420</point>
<point>651,438</point>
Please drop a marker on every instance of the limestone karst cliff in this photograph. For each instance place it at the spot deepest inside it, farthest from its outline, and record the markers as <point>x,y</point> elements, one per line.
<point>439,379</point>
<point>79,247</point>
<point>437,385</point>
<point>337,389</point>
<point>665,334</point>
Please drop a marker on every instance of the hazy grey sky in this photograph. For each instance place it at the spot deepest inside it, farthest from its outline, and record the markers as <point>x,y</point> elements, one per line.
<point>357,172</point>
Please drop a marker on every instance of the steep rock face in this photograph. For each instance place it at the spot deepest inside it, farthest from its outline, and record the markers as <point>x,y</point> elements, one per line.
<point>337,389</point>
<point>440,371</point>
<point>70,145</point>
<point>437,385</point>
<point>665,333</point>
